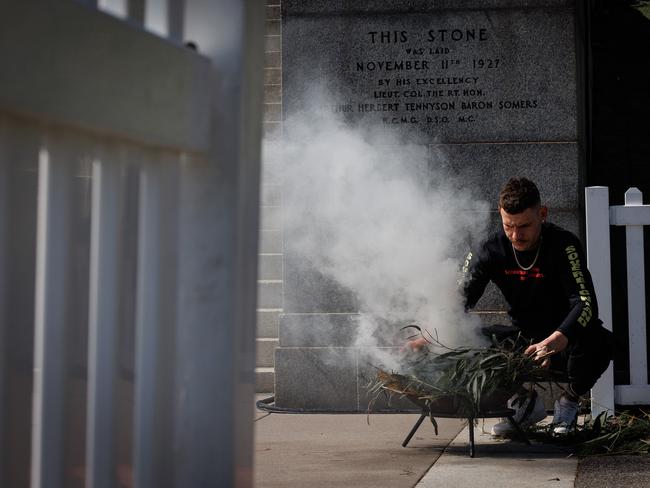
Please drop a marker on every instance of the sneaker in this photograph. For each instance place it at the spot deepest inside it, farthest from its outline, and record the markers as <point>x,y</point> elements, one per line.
<point>529,409</point>
<point>565,415</point>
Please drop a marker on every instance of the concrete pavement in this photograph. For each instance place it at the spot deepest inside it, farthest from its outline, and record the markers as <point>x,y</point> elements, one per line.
<point>344,451</point>
<point>501,464</point>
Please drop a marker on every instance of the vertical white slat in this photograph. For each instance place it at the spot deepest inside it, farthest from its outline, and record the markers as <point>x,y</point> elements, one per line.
<point>50,319</point>
<point>156,17</point>
<point>147,322</point>
<point>598,263</point>
<point>119,8</point>
<point>103,323</point>
<point>636,295</point>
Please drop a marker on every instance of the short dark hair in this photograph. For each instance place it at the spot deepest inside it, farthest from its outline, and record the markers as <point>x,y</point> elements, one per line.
<point>518,194</point>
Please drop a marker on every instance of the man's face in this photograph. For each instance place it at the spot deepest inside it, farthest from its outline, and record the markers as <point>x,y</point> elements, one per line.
<point>523,229</point>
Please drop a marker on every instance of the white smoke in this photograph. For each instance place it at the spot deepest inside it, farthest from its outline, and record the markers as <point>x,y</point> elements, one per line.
<point>382,218</point>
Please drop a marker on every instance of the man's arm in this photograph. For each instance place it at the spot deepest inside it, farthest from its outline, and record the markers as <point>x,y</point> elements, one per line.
<point>474,276</point>
<point>579,289</point>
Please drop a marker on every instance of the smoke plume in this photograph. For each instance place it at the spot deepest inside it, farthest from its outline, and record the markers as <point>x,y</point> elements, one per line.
<point>384,219</point>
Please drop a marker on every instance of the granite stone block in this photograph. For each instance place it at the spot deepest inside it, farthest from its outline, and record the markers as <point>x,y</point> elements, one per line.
<point>270,267</point>
<point>265,352</point>
<point>272,76</point>
<point>460,75</point>
<point>484,168</point>
<point>272,112</point>
<point>271,195</point>
<point>318,330</point>
<point>271,217</point>
<point>316,378</point>
<point>272,93</point>
<point>270,241</point>
<point>272,44</point>
<point>272,131</point>
<point>296,7</point>
<point>308,290</point>
<point>268,324</point>
<point>273,11</point>
<point>272,59</point>
<point>273,27</point>
<point>269,294</point>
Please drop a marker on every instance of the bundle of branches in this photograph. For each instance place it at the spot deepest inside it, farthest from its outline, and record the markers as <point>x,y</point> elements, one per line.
<point>623,433</point>
<point>469,380</point>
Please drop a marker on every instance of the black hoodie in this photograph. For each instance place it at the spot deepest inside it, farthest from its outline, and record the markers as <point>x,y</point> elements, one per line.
<point>555,293</point>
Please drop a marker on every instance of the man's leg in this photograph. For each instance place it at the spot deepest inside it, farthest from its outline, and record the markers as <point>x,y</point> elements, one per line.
<point>588,359</point>
<point>584,362</point>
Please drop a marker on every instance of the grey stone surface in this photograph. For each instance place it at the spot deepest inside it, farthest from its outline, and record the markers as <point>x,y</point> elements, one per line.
<point>512,78</point>
<point>484,168</point>
<point>318,330</point>
<point>265,351</point>
<point>271,195</point>
<point>264,380</point>
<point>269,294</point>
<point>271,217</point>
<point>270,267</point>
<point>270,241</point>
<point>317,378</point>
<point>409,6</point>
<point>307,290</point>
<point>268,323</point>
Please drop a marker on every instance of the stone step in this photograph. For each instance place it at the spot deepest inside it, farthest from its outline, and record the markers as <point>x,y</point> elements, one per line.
<point>264,380</point>
<point>269,294</point>
<point>265,352</point>
<point>268,323</point>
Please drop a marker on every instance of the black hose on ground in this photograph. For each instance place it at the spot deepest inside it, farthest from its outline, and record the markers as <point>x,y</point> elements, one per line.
<point>268,405</point>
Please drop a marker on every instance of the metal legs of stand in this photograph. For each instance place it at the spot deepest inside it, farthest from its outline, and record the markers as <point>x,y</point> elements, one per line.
<point>470,426</point>
<point>414,429</point>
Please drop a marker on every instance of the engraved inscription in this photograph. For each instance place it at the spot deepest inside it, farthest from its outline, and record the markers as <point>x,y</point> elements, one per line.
<point>436,76</point>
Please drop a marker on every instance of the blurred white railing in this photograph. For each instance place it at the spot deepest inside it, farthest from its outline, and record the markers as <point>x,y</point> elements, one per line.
<point>633,215</point>
<point>129,182</point>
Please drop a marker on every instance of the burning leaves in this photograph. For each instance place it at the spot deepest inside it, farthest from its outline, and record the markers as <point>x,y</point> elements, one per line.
<point>464,381</point>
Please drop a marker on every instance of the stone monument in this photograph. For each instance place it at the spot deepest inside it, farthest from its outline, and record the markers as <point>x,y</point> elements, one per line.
<point>494,85</point>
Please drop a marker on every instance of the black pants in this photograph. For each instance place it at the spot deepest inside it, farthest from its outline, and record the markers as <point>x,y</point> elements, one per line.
<point>581,363</point>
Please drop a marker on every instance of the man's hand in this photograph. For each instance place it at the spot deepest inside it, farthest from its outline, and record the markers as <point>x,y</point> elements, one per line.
<point>415,345</point>
<point>542,351</point>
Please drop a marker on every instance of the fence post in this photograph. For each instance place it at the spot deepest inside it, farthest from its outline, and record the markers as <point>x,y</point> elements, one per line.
<point>598,262</point>
<point>636,294</point>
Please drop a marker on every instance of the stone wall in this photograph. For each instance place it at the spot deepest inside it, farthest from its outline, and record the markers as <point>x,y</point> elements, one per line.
<point>495,86</point>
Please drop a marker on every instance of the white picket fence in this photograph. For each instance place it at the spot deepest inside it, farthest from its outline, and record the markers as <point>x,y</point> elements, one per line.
<point>129,183</point>
<point>599,217</point>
